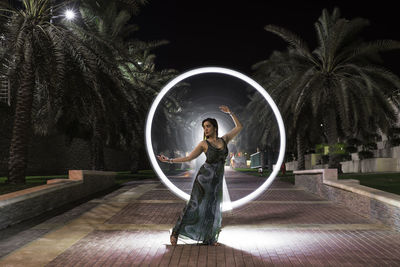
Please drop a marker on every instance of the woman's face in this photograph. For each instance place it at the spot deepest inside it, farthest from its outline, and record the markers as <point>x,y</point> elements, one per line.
<point>209,129</point>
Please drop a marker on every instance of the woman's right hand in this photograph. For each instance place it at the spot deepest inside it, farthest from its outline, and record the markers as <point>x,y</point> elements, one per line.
<point>224,108</point>
<point>162,158</point>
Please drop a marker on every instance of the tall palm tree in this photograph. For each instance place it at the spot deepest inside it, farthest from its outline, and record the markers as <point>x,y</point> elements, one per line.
<point>39,52</point>
<point>31,45</point>
<point>276,75</point>
<point>340,83</point>
<point>110,21</point>
<point>118,122</point>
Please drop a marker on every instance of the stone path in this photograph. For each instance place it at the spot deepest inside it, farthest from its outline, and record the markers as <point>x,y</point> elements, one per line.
<point>130,227</point>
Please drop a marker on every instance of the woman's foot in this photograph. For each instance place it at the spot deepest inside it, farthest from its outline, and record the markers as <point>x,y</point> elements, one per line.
<point>173,239</point>
<point>216,244</point>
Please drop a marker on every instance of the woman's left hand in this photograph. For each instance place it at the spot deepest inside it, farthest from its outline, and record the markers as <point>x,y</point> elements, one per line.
<point>224,109</point>
<point>162,158</point>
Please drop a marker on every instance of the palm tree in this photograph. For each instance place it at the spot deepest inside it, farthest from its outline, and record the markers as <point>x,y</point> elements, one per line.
<point>31,43</point>
<point>339,84</point>
<point>110,22</point>
<point>116,118</point>
<point>39,52</point>
<point>276,76</point>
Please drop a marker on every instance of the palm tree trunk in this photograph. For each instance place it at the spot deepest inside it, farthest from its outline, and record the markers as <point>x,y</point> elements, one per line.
<point>96,155</point>
<point>300,152</point>
<point>133,160</point>
<point>97,149</point>
<point>332,135</point>
<point>270,155</point>
<point>22,130</point>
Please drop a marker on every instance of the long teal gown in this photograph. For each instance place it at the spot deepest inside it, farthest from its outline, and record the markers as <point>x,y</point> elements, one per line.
<point>201,218</point>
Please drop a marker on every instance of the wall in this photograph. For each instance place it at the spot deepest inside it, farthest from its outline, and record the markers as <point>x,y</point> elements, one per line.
<point>372,203</point>
<point>28,203</point>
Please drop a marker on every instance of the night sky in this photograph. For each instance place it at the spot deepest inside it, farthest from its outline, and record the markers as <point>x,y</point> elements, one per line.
<point>230,34</point>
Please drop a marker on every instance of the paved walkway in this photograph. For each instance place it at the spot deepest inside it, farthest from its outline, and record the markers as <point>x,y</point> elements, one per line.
<point>129,227</point>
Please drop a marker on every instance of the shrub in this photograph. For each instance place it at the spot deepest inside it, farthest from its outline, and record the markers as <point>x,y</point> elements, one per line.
<point>351,149</point>
<point>371,146</point>
<point>354,142</point>
<point>345,157</point>
<point>289,157</point>
<point>325,159</point>
<point>320,148</point>
<point>337,148</point>
<point>395,142</point>
<point>394,130</point>
<point>365,154</point>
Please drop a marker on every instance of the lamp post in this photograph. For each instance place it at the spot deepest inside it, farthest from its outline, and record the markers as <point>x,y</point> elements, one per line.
<point>69,14</point>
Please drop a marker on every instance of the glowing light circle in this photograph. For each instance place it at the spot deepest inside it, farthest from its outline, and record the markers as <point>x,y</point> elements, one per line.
<point>259,88</point>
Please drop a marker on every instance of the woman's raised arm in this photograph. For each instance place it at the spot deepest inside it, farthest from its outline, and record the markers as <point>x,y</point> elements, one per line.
<point>238,126</point>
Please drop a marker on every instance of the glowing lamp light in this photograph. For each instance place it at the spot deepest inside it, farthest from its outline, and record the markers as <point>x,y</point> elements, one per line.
<point>259,88</point>
<point>69,14</point>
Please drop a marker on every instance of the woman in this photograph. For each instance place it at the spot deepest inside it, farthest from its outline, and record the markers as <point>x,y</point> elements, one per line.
<point>201,218</point>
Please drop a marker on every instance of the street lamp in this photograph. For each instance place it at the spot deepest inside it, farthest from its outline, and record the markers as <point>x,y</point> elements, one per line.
<point>69,14</point>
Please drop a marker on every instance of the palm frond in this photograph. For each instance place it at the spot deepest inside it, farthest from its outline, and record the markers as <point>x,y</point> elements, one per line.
<point>374,47</point>
<point>293,39</point>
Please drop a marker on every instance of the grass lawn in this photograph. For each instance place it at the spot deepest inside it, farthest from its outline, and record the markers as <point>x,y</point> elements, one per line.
<point>31,181</point>
<point>389,182</point>
<point>127,176</point>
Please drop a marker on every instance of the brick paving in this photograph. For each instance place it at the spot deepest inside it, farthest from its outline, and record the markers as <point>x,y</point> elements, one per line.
<point>17,236</point>
<point>285,226</point>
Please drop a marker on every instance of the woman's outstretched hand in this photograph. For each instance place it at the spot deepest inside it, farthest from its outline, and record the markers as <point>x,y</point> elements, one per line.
<point>162,158</point>
<point>224,109</point>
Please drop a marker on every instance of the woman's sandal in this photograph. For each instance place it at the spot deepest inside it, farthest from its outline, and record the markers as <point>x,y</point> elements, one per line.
<point>216,244</point>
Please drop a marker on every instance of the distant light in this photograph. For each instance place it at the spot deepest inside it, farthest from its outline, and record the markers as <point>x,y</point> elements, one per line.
<point>322,125</point>
<point>69,14</point>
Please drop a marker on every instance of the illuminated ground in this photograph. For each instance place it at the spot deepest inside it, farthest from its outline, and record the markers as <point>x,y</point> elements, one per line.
<point>284,226</point>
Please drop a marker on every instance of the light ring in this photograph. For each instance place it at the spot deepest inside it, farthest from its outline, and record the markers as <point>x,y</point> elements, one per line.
<point>259,88</point>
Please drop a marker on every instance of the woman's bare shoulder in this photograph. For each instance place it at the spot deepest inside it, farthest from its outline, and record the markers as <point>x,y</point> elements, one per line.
<point>203,144</point>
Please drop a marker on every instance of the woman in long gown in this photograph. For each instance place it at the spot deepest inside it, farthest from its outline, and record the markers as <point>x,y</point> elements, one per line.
<point>201,218</point>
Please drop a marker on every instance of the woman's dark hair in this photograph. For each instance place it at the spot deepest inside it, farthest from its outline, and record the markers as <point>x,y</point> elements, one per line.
<point>213,122</point>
